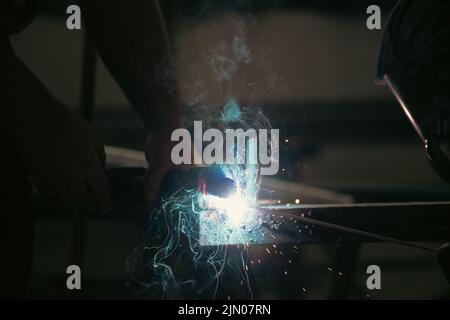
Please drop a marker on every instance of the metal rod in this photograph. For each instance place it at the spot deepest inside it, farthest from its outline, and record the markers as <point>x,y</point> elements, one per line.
<point>88,79</point>
<point>357,232</point>
<point>354,205</point>
<point>87,111</point>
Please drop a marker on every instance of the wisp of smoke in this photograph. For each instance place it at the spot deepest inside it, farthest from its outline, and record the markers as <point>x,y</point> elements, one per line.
<point>194,242</point>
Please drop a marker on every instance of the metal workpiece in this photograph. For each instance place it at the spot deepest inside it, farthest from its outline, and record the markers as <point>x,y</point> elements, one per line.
<point>306,223</point>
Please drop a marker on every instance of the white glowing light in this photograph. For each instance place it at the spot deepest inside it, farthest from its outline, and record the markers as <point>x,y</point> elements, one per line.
<point>232,220</point>
<point>235,207</point>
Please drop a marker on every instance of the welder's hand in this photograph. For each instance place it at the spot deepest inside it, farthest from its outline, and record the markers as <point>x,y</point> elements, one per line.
<point>64,157</point>
<point>157,151</point>
<point>59,150</point>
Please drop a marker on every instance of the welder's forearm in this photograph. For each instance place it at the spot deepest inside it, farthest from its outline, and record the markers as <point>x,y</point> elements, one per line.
<point>131,39</point>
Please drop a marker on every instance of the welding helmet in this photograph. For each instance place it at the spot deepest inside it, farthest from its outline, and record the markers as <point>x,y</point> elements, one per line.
<point>414,62</point>
<point>15,15</point>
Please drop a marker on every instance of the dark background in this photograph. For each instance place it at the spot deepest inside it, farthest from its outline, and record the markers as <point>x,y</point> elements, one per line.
<point>345,134</point>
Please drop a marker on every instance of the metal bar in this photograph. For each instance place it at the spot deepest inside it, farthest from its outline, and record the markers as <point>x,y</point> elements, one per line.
<point>88,80</point>
<point>87,111</point>
<point>393,222</point>
<point>360,232</point>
